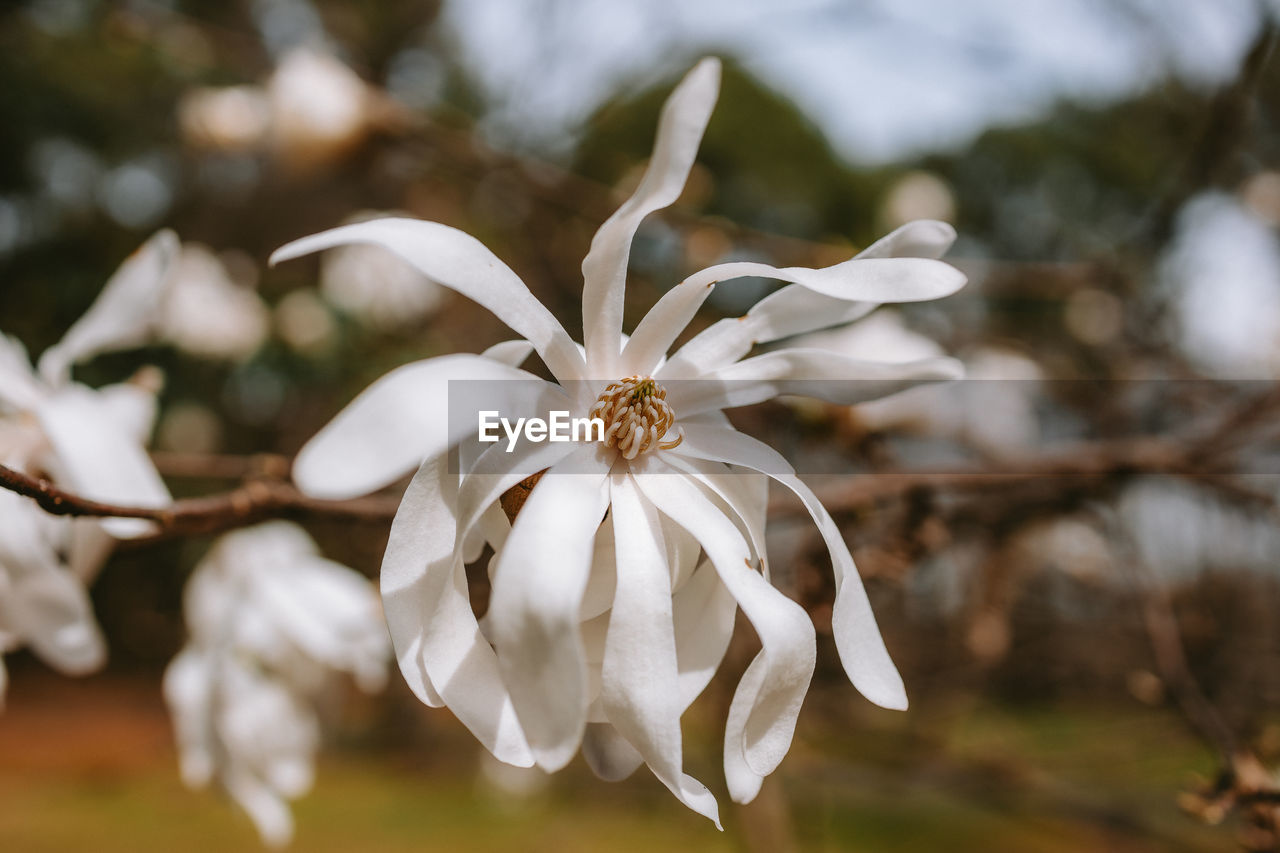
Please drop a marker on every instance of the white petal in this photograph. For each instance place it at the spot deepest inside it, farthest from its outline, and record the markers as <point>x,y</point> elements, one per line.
<point>24,547</point>
<point>330,612</point>
<point>604,270</point>
<point>608,754</point>
<point>88,549</point>
<point>537,593</point>
<point>460,262</point>
<point>858,639</point>
<point>188,691</point>
<point>266,808</point>
<point>19,388</point>
<point>683,552</point>
<point>639,678</point>
<point>808,373</point>
<point>132,407</point>
<point>921,238</point>
<point>404,417</point>
<point>494,526</point>
<point>51,611</point>
<point>743,781</point>
<point>265,728</point>
<point>786,634</point>
<point>432,626</point>
<point>124,314</point>
<point>857,280</point>
<point>740,493</point>
<point>443,654</point>
<point>703,613</point>
<point>796,309</point>
<point>101,461</point>
<point>598,596</point>
<point>509,352</point>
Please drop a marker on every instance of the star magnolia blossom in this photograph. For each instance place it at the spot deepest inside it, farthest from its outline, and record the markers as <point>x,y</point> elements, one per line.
<point>271,622</point>
<point>614,591</point>
<point>89,441</point>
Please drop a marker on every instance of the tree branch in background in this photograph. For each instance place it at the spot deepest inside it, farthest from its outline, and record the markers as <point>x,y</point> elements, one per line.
<point>256,500</point>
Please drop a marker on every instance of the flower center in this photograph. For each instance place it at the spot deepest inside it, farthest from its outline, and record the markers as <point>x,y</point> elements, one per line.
<point>636,416</point>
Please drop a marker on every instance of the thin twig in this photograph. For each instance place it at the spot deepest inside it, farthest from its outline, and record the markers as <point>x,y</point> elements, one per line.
<point>255,501</point>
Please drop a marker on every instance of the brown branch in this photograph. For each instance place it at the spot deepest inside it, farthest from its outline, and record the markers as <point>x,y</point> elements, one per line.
<point>255,501</point>
<point>260,499</point>
<point>1082,462</point>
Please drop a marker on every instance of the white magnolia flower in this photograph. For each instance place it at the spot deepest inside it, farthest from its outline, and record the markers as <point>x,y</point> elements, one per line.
<point>271,622</point>
<point>89,441</point>
<point>604,622</point>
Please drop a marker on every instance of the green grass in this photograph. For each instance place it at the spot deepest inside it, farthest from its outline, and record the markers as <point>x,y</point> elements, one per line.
<point>82,768</point>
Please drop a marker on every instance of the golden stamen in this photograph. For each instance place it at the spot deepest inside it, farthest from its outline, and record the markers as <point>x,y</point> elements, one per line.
<point>636,416</point>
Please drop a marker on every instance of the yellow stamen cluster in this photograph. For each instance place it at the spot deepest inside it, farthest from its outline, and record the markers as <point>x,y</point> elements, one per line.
<point>636,416</point>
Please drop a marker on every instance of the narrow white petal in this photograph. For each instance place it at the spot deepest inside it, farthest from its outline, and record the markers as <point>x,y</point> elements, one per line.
<point>494,527</point>
<point>132,407</point>
<point>683,552</point>
<point>857,280</point>
<point>188,691</point>
<point>24,547</point>
<point>858,639</point>
<point>608,754</point>
<point>100,459</point>
<point>89,547</point>
<point>125,312</point>
<point>640,676</point>
<point>266,808</point>
<point>703,613</point>
<point>743,781</point>
<point>537,593</point>
<point>404,417</point>
<point>422,531</point>
<point>921,238</point>
<point>51,611</point>
<point>513,353</point>
<point>604,270</point>
<point>807,373</point>
<point>796,309</point>
<point>460,262</point>
<point>789,645</point>
<point>433,629</point>
<point>598,596</point>
<point>19,388</point>
<point>442,652</point>
<point>740,493</point>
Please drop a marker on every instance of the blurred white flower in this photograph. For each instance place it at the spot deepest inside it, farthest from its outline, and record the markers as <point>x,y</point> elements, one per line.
<point>378,287</point>
<point>235,118</point>
<point>1224,267</point>
<point>305,322</point>
<point>604,623</point>
<point>320,108</point>
<point>310,113</point>
<point>1180,529</point>
<point>89,441</point>
<point>206,313</point>
<point>271,623</point>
